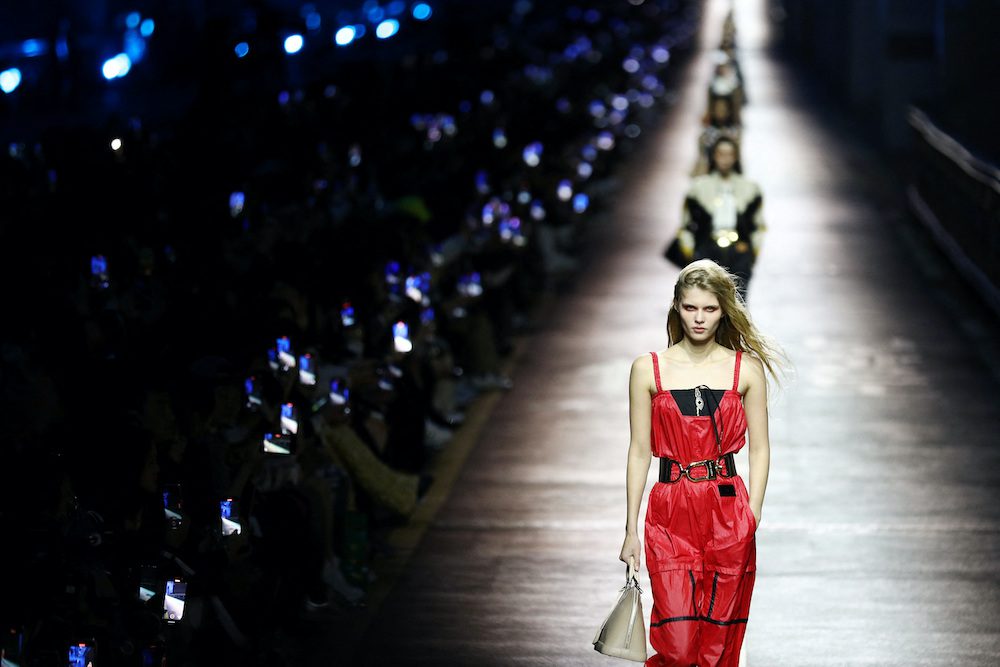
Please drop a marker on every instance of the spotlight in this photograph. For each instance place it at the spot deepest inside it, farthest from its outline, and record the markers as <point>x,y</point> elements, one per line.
<point>345,35</point>
<point>10,79</point>
<point>421,11</point>
<point>242,49</point>
<point>116,144</point>
<point>532,154</point>
<point>117,67</point>
<point>387,28</point>
<point>565,190</point>
<point>34,47</point>
<point>293,44</point>
<point>147,27</point>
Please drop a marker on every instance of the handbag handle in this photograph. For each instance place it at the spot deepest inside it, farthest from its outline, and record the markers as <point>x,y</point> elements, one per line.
<point>631,572</point>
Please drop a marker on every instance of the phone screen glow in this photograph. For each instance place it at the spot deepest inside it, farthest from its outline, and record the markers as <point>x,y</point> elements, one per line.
<point>173,600</point>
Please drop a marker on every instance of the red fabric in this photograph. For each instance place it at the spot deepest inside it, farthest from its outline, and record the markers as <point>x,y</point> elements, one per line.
<point>700,546</point>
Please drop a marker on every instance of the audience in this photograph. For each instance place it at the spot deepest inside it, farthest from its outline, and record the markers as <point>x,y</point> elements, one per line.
<point>241,339</point>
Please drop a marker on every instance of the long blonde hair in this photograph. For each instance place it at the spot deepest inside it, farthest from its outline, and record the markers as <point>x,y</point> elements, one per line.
<point>736,329</point>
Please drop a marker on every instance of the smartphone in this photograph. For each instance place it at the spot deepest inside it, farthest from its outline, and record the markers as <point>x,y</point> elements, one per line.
<point>175,591</point>
<point>474,286</point>
<point>505,231</point>
<point>392,272</point>
<point>339,393</point>
<point>229,514</point>
<point>173,505</point>
<point>427,315</point>
<point>82,654</point>
<point>278,443</point>
<point>12,648</point>
<point>289,419</point>
<point>149,582</point>
<point>307,370</point>
<point>437,254</point>
<point>401,337</point>
<point>413,286</point>
<point>319,404</point>
<point>347,314</point>
<point>154,655</point>
<point>236,201</point>
<point>272,359</point>
<point>99,272</point>
<point>285,356</point>
<point>252,389</point>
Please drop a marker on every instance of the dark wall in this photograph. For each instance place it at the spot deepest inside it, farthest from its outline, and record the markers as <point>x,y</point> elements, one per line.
<point>881,56</point>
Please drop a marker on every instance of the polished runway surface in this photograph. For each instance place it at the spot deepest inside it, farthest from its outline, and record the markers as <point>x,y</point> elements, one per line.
<point>880,537</point>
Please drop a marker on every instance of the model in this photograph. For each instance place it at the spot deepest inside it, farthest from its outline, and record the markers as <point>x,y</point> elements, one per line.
<point>722,216</point>
<point>692,405</point>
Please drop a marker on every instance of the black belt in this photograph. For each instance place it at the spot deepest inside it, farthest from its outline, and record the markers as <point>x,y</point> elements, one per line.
<point>713,469</point>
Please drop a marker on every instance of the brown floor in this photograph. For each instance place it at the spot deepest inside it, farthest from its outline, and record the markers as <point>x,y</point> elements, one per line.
<point>880,537</point>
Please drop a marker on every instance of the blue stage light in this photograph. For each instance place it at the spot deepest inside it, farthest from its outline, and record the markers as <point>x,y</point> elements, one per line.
<point>387,28</point>
<point>421,11</point>
<point>293,44</point>
<point>62,48</point>
<point>345,35</point>
<point>395,8</point>
<point>116,67</point>
<point>132,20</point>
<point>147,27</point>
<point>34,47</point>
<point>10,79</point>
<point>135,46</point>
<point>580,202</point>
<point>242,49</point>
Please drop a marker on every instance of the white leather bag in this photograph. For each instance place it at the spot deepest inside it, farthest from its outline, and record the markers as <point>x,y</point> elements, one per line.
<point>623,633</point>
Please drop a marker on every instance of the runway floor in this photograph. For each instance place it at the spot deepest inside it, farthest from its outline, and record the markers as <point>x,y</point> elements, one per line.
<point>880,537</point>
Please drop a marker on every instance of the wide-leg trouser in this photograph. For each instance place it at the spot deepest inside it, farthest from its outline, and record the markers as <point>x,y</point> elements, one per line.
<point>698,618</point>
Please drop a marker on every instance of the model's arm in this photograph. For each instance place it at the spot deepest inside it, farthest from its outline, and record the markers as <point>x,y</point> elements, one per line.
<point>755,405</point>
<point>639,453</point>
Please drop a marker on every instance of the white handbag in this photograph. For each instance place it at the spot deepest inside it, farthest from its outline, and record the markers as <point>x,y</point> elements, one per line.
<point>623,632</point>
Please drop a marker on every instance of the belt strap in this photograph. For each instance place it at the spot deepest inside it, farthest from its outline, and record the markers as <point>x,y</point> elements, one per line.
<point>713,468</point>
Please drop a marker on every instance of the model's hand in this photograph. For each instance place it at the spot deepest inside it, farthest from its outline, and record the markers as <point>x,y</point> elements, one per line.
<point>756,517</point>
<point>632,548</point>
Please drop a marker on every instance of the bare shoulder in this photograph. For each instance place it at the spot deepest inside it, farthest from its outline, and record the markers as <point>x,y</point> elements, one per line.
<point>752,372</point>
<point>643,362</point>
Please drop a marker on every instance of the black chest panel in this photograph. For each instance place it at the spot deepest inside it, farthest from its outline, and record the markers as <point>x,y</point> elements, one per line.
<point>685,400</point>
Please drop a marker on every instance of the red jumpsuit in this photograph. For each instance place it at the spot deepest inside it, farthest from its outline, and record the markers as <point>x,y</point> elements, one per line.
<point>700,544</point>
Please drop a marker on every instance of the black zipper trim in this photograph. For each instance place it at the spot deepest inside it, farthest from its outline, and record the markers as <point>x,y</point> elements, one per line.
<point>694,599</point>
<point>714,621</point>
<point>711,605</point>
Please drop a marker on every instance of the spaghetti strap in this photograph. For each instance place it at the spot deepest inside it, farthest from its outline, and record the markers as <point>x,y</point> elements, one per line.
<point>736,371</point>
<point>656,371</point>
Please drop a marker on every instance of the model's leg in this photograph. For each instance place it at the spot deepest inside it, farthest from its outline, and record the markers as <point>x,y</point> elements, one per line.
<point>725,609</point>
<point>673,622</point>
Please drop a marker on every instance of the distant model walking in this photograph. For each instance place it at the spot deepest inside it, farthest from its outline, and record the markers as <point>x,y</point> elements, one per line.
<point>722,215</point>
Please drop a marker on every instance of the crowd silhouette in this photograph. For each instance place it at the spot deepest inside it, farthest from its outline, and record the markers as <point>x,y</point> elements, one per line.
<point>238,337</point>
